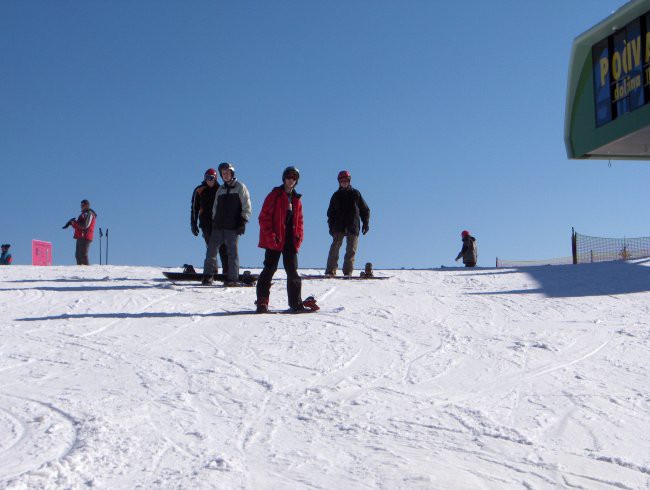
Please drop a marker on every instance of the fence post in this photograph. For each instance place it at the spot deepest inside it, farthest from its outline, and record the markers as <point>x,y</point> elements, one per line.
<point>574,247</point>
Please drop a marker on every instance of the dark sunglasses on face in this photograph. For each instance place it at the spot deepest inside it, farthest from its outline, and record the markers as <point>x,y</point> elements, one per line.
<point>210,177</point>
<point>291,176</point>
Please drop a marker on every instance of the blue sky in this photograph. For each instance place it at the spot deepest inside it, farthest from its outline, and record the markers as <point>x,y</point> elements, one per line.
<point>449,117</point>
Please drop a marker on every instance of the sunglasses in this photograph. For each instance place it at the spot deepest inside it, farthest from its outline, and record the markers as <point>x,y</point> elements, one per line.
<point>210,177</point>
<point>291,176</point>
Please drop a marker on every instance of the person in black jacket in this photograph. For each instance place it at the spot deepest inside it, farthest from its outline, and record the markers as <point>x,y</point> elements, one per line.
<point>469,252</point>
<point>347,214</point>
<point>5,258</point>
<point>201,212</point>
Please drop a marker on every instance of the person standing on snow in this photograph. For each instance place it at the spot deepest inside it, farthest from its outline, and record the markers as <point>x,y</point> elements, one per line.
<point>469,252</point>
<point>201,212</point>
<point>84,230</point>
<point>230,213</point>
<point>346,212</point>
<point>5,258</point>
<point>281,233</point>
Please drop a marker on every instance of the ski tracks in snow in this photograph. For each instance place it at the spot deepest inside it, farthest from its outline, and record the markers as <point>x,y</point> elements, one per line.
<point>411,382</point>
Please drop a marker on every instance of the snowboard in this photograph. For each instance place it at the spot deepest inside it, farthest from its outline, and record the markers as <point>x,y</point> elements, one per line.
<point>270,312</point>
<point>366,273</point>
<point>246,277</point>
<point>345,278</point>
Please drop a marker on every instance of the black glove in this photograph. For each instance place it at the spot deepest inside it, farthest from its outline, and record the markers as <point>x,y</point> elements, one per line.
<point>68,223</point>
<point>195,229</point>
<point>365,229</point>
<point>242,229</point>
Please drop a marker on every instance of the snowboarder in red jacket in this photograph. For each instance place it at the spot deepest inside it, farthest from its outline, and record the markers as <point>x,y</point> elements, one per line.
<point>281,233</point>
<point>84,230</point>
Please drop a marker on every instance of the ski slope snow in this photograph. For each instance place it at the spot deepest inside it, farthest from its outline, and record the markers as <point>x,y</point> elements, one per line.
<point>113,377</point>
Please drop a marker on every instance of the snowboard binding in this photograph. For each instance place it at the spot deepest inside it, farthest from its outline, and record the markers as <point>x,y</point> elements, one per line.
<point>367,272</point>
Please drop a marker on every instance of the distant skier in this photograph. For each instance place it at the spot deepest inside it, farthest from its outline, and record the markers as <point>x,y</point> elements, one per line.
<point>469,252</point>
<point>201,211</point>
<point>84,229</point>
<point>281,233</point>
<point>230,213</point>
<point>5,258</point>
<point>346,212</point>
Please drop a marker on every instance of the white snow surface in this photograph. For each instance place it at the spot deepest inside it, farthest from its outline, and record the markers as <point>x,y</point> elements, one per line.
<point>113,377</point>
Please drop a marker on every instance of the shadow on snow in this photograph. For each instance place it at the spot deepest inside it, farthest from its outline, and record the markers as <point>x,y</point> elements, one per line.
<point>63,289</point>
<point>73,316</point>
<point>569,281</point>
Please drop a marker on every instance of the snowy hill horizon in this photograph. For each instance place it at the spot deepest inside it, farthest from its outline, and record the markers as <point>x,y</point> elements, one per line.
<point>113,377</point>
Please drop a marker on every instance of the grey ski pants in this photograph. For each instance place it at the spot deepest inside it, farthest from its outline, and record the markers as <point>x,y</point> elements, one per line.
<point>218,238</point>
<point>350,251</point>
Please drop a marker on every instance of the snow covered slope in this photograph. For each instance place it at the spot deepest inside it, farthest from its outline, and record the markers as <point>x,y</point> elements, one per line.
<point>537,378</point>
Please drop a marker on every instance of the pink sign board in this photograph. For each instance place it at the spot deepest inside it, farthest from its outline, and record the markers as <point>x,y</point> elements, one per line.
<point>41,253</point>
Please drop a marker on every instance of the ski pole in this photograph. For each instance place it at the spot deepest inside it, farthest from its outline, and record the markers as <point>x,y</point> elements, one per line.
<point>100,246</point>
<point>106,261</point>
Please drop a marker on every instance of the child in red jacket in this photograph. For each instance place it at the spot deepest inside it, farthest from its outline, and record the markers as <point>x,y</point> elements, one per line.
<point>281,233</point>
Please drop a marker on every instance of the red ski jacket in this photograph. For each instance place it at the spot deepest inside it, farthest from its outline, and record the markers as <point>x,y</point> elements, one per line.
<point>273,220</point>
<point>84,227</point>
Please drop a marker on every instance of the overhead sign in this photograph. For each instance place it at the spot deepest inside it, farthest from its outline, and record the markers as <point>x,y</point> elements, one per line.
<point>621,69</point>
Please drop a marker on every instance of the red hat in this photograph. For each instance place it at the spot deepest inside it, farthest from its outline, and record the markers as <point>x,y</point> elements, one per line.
<point>344,175</point>
<point>211,171</point>
<point>464,233</point>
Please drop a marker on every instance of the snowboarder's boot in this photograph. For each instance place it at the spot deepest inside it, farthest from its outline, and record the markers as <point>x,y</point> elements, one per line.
<point>188,269</point>
<point>330,273</point>
<point>298,308</point>
<point>207,280</point>
<point>262,305</point>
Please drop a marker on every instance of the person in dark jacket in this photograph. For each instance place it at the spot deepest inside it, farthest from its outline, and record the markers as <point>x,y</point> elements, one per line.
<point>84,230</point>
<point>281,233</point>
<point>230,213</point>
<point>5,258</point>
<point>469,252</point>
<point>347,214</point>
<point>201,212</point>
